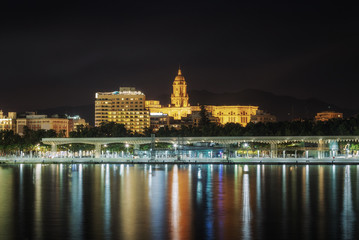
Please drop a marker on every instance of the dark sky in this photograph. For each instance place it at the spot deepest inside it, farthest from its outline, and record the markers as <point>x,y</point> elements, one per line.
<point>61,53</point>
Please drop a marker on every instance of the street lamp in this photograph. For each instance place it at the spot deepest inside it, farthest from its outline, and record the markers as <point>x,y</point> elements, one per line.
<point>127,146</point>
<point>246,145</point>
<point>175,146</point>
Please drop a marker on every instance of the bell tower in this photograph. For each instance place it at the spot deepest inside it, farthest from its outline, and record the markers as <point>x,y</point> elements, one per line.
<point>179,96</point>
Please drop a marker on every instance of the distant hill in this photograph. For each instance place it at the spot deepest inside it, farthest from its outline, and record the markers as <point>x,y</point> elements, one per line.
<point>284,107</point>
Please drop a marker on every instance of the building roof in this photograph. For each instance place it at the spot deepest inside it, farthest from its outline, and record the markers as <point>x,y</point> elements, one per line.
<point>179,77</point>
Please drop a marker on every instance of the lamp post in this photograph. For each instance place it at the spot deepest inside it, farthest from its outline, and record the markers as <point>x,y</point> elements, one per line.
<point>37,149</point>
<point>127,146</point>
<point>175,146</point>
<point>105,146</point>
<point>246,145</point>
<point>347,149</point>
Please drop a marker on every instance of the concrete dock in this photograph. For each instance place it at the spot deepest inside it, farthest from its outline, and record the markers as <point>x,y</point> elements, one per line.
<point>299,161</point>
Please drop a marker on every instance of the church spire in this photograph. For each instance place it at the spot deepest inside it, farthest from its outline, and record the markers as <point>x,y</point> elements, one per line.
<point>179,70</point>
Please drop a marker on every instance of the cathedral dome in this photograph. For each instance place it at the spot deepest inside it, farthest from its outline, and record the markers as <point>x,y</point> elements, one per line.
<point>179,77</point>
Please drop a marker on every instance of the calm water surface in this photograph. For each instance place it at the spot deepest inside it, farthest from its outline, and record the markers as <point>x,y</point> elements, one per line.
<point>120,201</point>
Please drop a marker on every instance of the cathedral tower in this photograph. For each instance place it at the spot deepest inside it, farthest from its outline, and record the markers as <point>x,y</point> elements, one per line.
<point>179,96</point>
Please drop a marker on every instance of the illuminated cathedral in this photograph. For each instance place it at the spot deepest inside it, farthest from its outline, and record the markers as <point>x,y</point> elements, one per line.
<point>180,107</point>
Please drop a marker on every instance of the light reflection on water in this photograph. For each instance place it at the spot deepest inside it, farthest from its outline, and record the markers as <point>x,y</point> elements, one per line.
<point>124,201</point>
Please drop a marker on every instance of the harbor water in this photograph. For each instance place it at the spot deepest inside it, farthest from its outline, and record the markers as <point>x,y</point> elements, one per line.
<point>178,201</point>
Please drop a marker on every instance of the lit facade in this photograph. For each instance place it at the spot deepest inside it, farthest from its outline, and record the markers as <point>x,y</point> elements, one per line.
<point>180,107</point>
<point>126,106</point>
<point>42,122</point>
<point>233,114</point>
<point>176,112</point>
<point>327,115</point>
<point>159,120</point>
<point>75,122</point>
<point>152,104</point>
<point>179,96</point>
<point>7,122</point>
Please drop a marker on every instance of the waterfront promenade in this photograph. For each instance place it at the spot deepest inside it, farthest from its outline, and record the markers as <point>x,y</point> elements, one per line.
<point>320,147</point>
<point>189,150</point>
<point>299,161</point>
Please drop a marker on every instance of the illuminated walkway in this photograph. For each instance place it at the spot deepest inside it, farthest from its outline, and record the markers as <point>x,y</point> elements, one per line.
<point>299,161</point>
<point>213,148</point>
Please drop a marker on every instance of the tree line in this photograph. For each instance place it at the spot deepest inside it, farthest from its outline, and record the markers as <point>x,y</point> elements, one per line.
<point>11,143</point>
<point>31,140</point>
<point>335,127</point>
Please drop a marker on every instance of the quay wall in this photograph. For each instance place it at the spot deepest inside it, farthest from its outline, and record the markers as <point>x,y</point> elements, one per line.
<point>301,161</point>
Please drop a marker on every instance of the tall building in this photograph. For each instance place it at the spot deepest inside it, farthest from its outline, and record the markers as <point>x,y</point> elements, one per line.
<point>180,107</point>
<point>179,96</point>
<point>325,116</point>
<point>126,106</point>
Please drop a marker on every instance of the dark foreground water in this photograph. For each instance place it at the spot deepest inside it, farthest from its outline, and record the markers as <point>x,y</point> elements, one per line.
<point>119,201</point>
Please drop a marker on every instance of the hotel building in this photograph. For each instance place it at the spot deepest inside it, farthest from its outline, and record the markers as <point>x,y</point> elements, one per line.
<point>126,106</point>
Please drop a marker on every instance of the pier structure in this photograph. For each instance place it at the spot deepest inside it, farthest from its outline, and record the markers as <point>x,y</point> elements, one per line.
<point>233,147</point>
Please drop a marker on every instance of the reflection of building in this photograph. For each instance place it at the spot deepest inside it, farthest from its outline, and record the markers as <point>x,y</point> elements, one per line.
<point>325,116</point>
<point>37,122</point>
<point>263,117</point>
<point>180,108</point>
<point>126,106</point>
<point>7,122</point>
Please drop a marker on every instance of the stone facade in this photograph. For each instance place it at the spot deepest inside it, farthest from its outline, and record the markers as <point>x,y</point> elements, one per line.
<point>180,108</point>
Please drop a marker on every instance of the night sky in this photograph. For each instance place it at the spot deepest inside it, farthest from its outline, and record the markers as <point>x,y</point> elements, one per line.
<point>61,54</point>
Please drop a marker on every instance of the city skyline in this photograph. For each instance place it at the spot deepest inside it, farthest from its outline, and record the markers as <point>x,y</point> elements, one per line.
<point>292,109</point>
<point>61,55</point>
<point>164,95</point>
<point>179,119</point>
